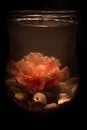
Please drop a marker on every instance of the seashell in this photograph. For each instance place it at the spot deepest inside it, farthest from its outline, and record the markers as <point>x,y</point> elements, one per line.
<point>70,86</point>
<point>63,97</point>
<point>40,97</point>
<point>73,83</point>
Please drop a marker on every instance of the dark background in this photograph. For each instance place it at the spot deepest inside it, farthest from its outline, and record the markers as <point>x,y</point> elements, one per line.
<point>74,113</point>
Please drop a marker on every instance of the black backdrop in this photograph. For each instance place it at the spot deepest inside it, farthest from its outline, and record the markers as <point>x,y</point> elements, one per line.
<point>42,4</point>
<point>75,111</point>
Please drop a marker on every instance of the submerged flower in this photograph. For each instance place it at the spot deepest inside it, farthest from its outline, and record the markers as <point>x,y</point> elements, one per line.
<point>36,71</point>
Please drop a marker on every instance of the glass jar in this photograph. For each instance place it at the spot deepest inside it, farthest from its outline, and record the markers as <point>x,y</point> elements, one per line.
<point>42,70</point>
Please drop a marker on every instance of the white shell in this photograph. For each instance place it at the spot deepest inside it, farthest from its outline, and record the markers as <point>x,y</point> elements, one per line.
<point>63,97</point>
<point>40,97</point>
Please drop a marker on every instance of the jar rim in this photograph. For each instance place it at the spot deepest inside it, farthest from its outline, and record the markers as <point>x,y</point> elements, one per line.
<point>27,13</point>
<point>44,17</point>
<point>43,11</point>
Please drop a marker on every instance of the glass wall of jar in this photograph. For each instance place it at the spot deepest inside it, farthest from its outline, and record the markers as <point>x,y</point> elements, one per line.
<point>42,70</point>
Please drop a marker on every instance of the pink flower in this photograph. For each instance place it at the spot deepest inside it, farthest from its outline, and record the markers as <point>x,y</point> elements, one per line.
<point>36,71</point>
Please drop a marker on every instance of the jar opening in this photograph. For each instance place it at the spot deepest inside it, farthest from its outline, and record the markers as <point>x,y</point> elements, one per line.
<point>44,18</point>
<point>50,13</point>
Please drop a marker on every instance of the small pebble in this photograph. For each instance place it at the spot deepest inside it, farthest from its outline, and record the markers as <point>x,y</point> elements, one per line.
<point>20,95</point>
<point>51,106</point>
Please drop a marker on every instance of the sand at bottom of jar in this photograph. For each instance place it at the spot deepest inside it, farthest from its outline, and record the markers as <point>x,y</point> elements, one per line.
<point>45,100</point>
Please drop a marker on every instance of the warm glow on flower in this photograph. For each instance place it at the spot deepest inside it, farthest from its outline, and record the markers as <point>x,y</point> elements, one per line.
<point>36,71</point>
